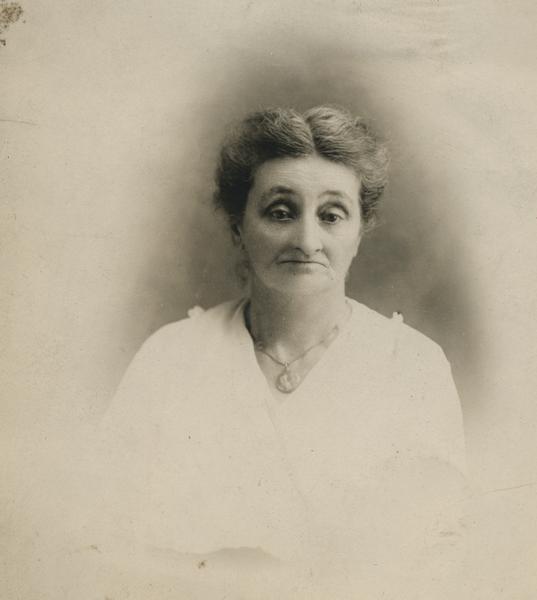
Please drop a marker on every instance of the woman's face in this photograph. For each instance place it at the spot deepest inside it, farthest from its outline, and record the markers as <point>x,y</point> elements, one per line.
<point>302,226</point>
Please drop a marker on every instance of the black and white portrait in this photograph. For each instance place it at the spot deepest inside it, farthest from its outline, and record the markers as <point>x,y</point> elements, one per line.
<point>269,300</point>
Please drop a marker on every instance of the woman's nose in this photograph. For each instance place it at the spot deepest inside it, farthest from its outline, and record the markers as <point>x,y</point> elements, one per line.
<point>308,235</point>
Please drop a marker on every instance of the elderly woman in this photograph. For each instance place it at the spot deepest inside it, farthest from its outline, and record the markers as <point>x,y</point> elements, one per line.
<point>293,426</point>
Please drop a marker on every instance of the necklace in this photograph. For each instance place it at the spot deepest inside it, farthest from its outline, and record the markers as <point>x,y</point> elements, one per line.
<point>288,380</point>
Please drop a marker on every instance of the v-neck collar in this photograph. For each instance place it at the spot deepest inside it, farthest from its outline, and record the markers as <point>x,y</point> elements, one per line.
<point>245,341</point>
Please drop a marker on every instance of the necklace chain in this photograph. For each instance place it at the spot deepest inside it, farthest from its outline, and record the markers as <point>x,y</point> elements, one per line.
<point>288,380</point>
<point>287,363</point>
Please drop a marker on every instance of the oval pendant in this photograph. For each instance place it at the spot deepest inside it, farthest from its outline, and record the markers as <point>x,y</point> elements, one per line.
<point>288,381</point>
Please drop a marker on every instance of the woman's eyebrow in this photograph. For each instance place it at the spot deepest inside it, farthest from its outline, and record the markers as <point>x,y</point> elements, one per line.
<point>337,194</point>
<point>274,190</point>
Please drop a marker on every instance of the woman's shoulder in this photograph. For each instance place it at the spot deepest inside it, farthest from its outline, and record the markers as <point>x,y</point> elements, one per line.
<point>393,333</point>
<point>417,372</point>
<point>192,329</point>
<point>172,353</point>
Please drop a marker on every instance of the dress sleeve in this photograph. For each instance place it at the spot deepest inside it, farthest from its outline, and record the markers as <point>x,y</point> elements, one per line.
<point>431,488</point>
<point>110,485</point>
<point>127,442</point>
<point>444,475</point>
<point>430,408</point>
<point>443,413</point>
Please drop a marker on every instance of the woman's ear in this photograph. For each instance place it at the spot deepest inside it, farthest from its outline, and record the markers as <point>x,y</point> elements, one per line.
<point>359,238</point>
<point>357,246</point>
<point>236,233</point>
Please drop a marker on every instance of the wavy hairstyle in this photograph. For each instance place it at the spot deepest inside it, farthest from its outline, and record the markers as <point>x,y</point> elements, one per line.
<point>328,131</point>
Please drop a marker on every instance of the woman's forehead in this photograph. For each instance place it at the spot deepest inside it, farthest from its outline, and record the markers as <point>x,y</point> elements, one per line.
<point>305,174</point>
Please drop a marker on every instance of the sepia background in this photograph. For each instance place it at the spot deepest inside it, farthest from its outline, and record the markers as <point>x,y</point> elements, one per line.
<point>110,119</point>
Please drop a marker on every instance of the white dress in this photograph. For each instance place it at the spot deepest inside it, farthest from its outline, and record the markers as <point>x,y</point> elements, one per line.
<point>355,478</point>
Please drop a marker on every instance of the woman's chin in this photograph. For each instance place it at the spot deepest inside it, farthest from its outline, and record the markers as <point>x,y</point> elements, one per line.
<point>305,285</point>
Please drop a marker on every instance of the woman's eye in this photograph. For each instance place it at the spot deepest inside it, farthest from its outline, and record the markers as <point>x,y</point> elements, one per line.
<point>331,217</point>
<point>279,214</point>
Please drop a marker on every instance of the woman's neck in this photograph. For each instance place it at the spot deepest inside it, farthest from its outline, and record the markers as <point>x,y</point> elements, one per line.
<point>287,325</point>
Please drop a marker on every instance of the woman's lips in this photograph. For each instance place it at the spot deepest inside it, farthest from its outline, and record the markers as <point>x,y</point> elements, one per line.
<point>302,262</point>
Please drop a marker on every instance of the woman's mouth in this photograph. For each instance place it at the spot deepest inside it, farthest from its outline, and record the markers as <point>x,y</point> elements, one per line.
<point>299,262</point>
